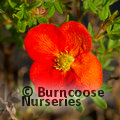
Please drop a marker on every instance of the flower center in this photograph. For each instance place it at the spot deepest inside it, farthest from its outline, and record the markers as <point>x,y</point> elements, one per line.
<point>64,61</point>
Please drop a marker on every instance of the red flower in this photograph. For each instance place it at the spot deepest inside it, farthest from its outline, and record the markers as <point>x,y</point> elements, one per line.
<point>62,58</point>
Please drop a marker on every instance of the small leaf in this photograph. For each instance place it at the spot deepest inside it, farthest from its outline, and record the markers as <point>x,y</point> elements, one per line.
<point>100,50</point>
<point>105,88</point>
<point>35,22</point>
<point>93,7</point>
<point>116,28</point>
<point>51,12</point>
<point>110,68</point>
<point>113,44</point>
<point>79,108</point>
<point>1,11</point>
<point>112,1</point>
<point>101,59</point>
<point>85,4</point>
<point>27,15</point>
<point>8,26</point>
<point>102,45</point>
<point>19,15</point>
<point>99,102</point>
<point>42,20</point>
<point>98,2</point>
<point>107,62</point>
<point>114,35</point>
<point>46,0</point>
<point>57,5</point>
<point>105,12</point>
<point>12,3</point>
<point>67,18</point>
<point>109,28</point>
<point>33,5</point>
<point>30,22</point>
<point>90,28</point>
<point>21,25</point>
<point>117,20</point>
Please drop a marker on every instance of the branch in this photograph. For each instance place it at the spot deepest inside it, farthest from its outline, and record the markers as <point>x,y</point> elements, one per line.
<point>8,109</point>
<point>12,116</point>
<point>104,26</point>
<point>113,77</point>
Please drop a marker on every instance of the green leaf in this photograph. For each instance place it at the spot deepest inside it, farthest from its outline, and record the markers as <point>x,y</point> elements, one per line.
<point>93,7</point>
<point>48,5</point>
<point>42,20</point>
<point>30,23</point>
<point>27,15</point>
<point>104,2</point>
<point>117,20</point>
<point>110,68</point>
<point>114,52</point>
<point>95,42</point>
<point>1,11</point>
<point>106,88</point>
<point>100,50</point>
<point>112,1</point>
<point>51,12</point>
<point>21,25</point>
<point>57,5</point>
<point>90,28</point>
<point>116,28</point>
<point>12,3</point>
<point>19,15</point>
<point>46,0</point>
<point>35,22</point>
<point>102,45</point>
<point>104,12</point>
<point>101,59</point>
<point>107,62</point>
<point>79,108</point>
<point>114,35</point>
<point>8,26</point>
<point>33,5</point>
<point>98,2</point>
<point>109,28</point>
<point>99,102</point>
<point>67,18</point>
<point>85,4</point>
<point>113,44</point>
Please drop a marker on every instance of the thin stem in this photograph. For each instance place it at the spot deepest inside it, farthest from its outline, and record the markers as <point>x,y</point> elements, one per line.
<point>80,20</point>
<point>102,36</point>
<point>104,26</point>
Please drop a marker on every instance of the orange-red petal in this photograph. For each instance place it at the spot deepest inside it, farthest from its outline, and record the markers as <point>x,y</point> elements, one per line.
<point>44,42</point>
<point>46,76</point>
<point>78,40</point>
<point>37,68</point>
<point>88,72</point>
<point>49,78</point>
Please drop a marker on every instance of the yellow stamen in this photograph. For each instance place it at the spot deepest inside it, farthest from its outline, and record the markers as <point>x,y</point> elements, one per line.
<point>64,61</point>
